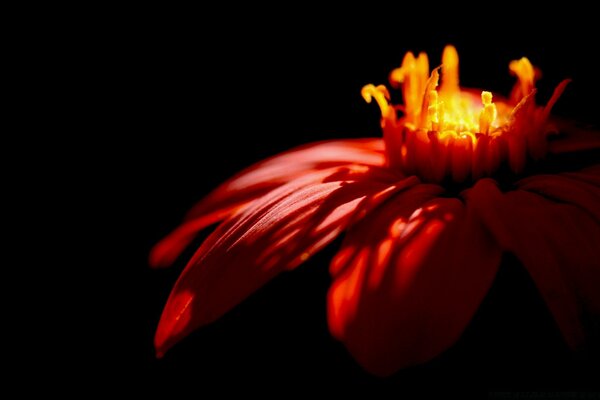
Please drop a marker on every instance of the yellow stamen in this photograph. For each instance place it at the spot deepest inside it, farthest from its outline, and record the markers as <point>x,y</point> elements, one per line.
<point>450,71</point>
<point>430,101</point>
<point>447,109</point>
<point>448,132</point>
<point>525,73</point>
<point>380,94</point>
<point>432,110</point>
<point>413,74</point>
<point>488,114</point>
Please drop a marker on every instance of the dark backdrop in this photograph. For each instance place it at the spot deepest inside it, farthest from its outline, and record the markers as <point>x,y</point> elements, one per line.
<point>198,95</point>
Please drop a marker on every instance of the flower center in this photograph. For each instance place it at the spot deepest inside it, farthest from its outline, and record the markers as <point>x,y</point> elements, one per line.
<point>448,132</point>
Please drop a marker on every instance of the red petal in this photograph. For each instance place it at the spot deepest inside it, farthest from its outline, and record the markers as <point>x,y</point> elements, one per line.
<point>565,189</point>
<point>556,242</point>
<point>168,249</point>
<point>408,280</point>
<point>275,171</point>
<point>256,181</point>
<point>574,137</point>
<point>590,175</point>
<point>165,252</point>
<point>278,231</point>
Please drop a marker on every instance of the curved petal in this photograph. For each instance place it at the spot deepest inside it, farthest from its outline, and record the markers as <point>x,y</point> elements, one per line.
<point>556,242</point>
<point>590,175</point>
<point>565,189</point>
<point>409,279</point>
<point>279,231</point>
<point>573,136</point>
<point>167,250</point>
<point>259,179</point>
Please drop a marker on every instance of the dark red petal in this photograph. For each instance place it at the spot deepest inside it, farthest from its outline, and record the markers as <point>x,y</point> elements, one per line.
<point>409,278</point>
<point>259,179</point>
<point>556,242</point>
<point>565,189</point>
<point>590,175</point>
<point>558,91</point>
<point>573,137</point>
<point>278,231</point>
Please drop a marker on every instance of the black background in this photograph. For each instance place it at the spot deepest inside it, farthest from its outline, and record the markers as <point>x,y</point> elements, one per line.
<point>192,96</point>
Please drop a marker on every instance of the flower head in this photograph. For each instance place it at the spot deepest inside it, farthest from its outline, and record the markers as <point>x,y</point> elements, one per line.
<point>417,258</point>
<point>460,134</point>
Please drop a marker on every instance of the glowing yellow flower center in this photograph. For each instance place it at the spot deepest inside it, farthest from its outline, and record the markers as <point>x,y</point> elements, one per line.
<point>447,110</point>
<point>448,132</point>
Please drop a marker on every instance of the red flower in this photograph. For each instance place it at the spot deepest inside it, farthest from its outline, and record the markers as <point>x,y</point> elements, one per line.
<point>418,256</point>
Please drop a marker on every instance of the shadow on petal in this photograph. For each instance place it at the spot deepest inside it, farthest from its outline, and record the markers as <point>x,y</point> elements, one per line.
<point>256,181</point>
<point>418,270</point>
<point>278,232</point>
<point>555,235</point>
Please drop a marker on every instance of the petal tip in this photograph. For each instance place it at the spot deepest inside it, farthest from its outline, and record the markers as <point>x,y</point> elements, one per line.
<point>163,341</point>
<point>158,257</point>
<point>159,343</point>
<point>175,322</point>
